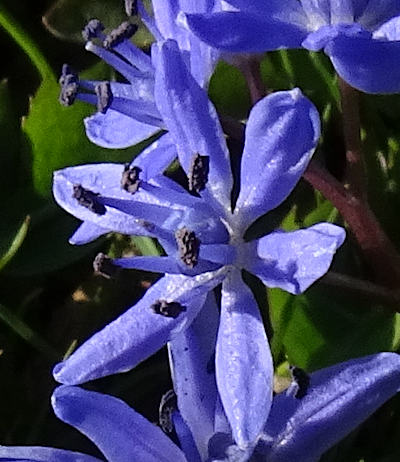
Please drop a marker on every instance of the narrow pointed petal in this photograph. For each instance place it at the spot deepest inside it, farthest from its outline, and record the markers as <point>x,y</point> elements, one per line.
<point>185,437</point>
<point>293,261</point>
<point>165,13</point>
<point>339,398</point>
<point>342,11</point>
<point>192,359</point>
<point>116,131</point>
<point>155,159</point>
<point>41,454</point>
<point>243,362</point>
<point>317,11</point>
<point>99,417</point>
<point>87,232</point>
<point>390,30</point>
<point>170,265</point>
<point>139,332</point>
<point>122,213</point>
<point>281,136</point>
<point>377,12</point>
<point>356,61</point>
<point>246,32</point>
<point>192,120</point>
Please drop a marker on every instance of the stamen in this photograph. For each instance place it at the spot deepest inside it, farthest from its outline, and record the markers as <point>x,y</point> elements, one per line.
<point>123,32</point>
<point>168,405</point>
<point>168,309</point>
<point>88,199</point>
<point>301,379</point>
<point>198,173</point>
<point>104,266</point>
<point>130,180</point>
<point>104,96</point>
<point>93,29</point>
<point>69,83</point>
<point>188,246</point>
<point>131,7</point>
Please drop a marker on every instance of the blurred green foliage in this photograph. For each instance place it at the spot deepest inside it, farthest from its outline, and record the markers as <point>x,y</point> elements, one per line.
<point>49,298</point>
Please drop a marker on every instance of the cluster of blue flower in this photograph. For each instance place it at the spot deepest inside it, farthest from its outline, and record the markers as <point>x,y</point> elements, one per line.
<point>223,408</point>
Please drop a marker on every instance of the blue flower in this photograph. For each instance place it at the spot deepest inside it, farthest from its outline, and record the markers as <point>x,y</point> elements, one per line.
<point>336,400</point>
<point>127,113</point>
<point>203,237</point>
<point>362,38</point>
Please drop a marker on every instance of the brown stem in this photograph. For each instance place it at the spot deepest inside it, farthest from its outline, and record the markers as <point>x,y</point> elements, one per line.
<point>355,167</point>
<point>250,68</point>
<point>366,289</point>
<point>379,251</point>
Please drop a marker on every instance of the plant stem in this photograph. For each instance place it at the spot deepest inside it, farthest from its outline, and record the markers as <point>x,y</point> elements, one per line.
<point>356,177</point>
<point>250,68</point>
<point>367,289</point>
<point>379,251</point>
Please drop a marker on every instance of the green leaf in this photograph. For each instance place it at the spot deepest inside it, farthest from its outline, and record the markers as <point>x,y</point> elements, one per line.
<point>146,245</point>
<point>323,327</point>
<point>58,138</point>
<point>228,91</point>
<point>15,244</point>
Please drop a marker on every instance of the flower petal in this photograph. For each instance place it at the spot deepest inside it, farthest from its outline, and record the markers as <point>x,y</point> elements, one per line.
<point>338,399</point>
<point>87,232</point>
<point>116,130</point>
<point>376,13</point>
<point>192,359</point>
<point>185,438</point>
<point>293,261</point>
<point>116,429</point>
<point>281,136</point>
<point>243,362</point>
<point>390,30</point>
<point>246,32</point>
<point>170,265</point>
<point>139,332</point>
<point>122,212</point>
<point>367,64</point>
<point>192,120</point>
<point>41,454</point>
<point>156,158</point>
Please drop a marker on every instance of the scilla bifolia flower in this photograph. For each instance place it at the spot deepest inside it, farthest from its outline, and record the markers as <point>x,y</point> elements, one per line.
<point>336,400</point>
<point>203,237</point>
<point>126,112</point>
<point>361,37</point>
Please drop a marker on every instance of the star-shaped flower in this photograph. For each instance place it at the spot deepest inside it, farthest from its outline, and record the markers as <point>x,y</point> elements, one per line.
<point>362,38</point>
<point>127,113</point>
<point>336,400</point>
<point>203,237</point>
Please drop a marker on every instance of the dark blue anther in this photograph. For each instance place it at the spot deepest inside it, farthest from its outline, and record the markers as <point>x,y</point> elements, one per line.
<point>168,309</point>
<point>123,32</point>
<point>93,29</point>
<point>188,246</point>
<point>131,7</point>
<point>104,96</point>
<point>198,173</point>
<point>104,266</point>
<point>168,405</point>
<point>130,180</point>
<point>69,83</point>
<point>88,199</point>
